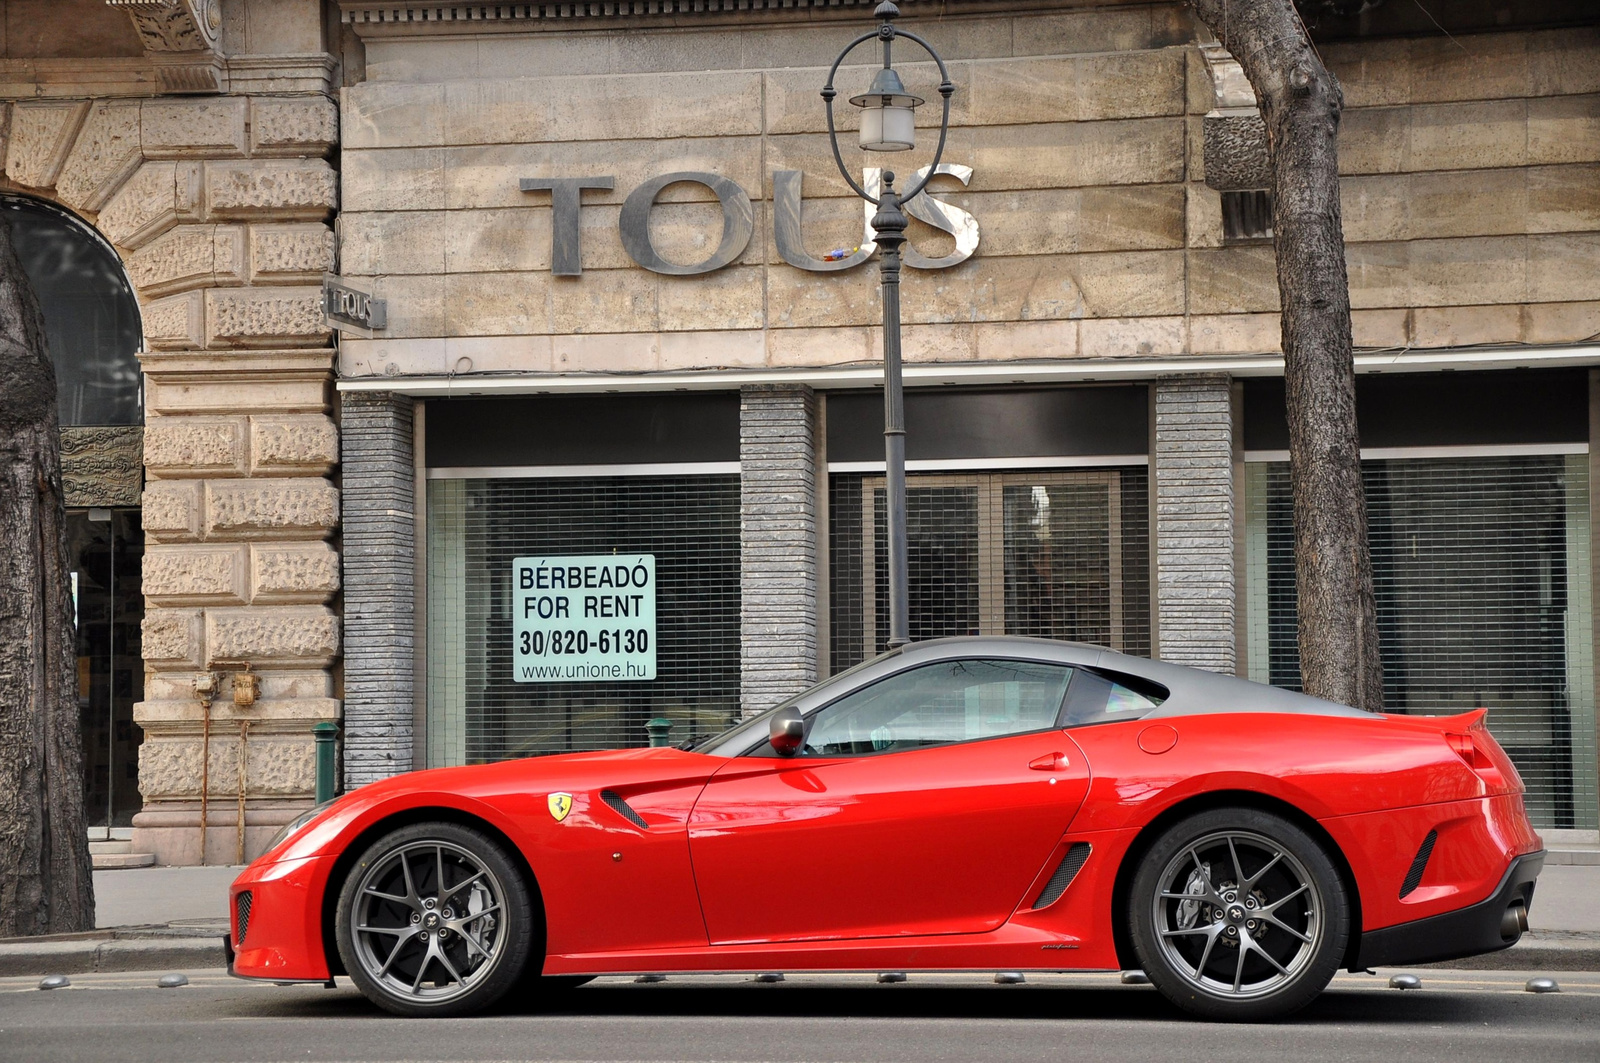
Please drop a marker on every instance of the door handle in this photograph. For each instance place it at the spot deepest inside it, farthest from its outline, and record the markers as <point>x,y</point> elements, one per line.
<point>1049,762</point>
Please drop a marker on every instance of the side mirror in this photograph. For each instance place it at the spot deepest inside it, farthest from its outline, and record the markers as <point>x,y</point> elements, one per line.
<point>788,731</point>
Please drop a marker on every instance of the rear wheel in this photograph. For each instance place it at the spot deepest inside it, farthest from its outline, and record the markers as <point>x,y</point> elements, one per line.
<point>434,919</point>
<point>1238,914</point>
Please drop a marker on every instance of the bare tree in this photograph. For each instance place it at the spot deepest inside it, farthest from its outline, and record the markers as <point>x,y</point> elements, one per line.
<point>46,885</point>
<point>1300,104</point>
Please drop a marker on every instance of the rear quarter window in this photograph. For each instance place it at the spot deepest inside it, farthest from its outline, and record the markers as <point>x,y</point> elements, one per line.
<point>1108,697</point>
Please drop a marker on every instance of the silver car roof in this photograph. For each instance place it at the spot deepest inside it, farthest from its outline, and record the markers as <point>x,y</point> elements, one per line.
<point>1190,691</point>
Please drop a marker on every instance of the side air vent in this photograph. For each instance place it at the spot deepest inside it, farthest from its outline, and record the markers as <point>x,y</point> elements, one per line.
<point>623,809</point>
<point>1420,864</point>
<point>241,908</point>
<point>1066,871</point>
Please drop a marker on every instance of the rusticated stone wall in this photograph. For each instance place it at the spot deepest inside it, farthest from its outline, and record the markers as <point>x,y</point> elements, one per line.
<point>220,207</point>
<point>1468,177</point>
<point>1194,500</point>
<point>380,535</point>
<point>777,544</point>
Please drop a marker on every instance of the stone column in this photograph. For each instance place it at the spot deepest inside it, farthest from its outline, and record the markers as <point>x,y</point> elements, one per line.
<point>778,544</point>
<point>238,576</point>
<point>379,518</point>
<point>1194,507</point>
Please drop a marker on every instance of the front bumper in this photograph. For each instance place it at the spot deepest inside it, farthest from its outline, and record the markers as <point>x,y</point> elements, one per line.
<point>1469,931</point>
<point>284,939</point>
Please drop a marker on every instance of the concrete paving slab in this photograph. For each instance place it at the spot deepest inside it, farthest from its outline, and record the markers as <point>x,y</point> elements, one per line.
<point>141,895</point>
<point>1567,898</point>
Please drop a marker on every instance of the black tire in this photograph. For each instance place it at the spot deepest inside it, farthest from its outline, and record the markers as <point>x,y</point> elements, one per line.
<point>403,941</point>
<point>1279,940</point>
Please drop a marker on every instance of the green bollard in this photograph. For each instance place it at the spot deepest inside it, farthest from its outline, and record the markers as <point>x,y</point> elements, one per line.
<point>659,728</point>
<point>325,734</point>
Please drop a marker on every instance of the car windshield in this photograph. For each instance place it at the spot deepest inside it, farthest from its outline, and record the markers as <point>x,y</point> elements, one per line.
<point>755,723</point>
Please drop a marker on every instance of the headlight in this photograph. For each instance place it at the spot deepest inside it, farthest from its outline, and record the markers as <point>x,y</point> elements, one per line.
<point>294,826</point>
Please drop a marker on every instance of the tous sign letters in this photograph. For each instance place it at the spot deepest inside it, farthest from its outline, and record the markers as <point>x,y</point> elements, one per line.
<point>738,222</point>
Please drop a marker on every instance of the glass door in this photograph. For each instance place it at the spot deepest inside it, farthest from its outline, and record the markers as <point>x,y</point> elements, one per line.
<point>1058,554</point>
<point>105,549</point>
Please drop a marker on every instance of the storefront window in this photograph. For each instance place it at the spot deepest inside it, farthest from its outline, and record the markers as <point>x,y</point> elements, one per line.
<point>1060,555</point>
<point>477,528</point>
<point>1482,576</point>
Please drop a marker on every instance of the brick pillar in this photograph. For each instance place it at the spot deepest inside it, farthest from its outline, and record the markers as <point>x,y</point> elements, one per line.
<point>1194,522</point>
<point>778,544</point>
<point>379,518</point>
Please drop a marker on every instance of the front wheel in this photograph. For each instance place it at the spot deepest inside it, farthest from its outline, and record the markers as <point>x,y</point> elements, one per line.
<point>434,919</point>
<point>1238,914</point>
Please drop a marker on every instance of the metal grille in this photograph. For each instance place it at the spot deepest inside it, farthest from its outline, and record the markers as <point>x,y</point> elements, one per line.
<point>1419,864</point>
<point>1060,555</point>
<point>622,808</point>
<point>477,712</point>
<point>1066,871</point>
<point>241,910</point>
<point>1246,216</point>
<point>1482,578</point>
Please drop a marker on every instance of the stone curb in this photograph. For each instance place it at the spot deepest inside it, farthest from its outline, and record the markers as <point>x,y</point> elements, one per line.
<point>120,949</point>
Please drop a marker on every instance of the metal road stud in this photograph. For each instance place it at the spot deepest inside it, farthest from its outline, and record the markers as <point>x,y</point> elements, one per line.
<point>650,979</point>
<point>1405,981</point>
<point>1009,978</point>
<point>892,976</point>
<point>769,976</point>
<point>1135,978</point>
<point>55,981</point>
<point>172,981</point>
<point>1542,985</point>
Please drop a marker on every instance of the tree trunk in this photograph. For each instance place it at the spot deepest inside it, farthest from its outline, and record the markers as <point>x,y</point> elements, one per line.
<point>1300,104</point>
<point>45,881</point>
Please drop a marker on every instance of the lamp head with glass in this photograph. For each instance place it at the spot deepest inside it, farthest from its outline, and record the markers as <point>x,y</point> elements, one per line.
<point>888,120</point>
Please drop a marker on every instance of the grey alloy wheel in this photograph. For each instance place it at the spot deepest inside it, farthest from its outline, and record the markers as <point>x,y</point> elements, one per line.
<point>1243,933</point>
<point>1238,914</point>
<point>433,920</point>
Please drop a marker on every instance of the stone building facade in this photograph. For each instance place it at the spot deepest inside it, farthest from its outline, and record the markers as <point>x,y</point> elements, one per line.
<point>631,311</point>
<point>198,139</point>
<point>1091,335</point>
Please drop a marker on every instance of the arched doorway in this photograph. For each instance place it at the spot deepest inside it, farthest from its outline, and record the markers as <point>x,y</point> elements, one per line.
<point>93,329</point>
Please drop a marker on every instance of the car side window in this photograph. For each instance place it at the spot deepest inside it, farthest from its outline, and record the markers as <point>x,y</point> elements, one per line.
<point>1097,697</point>
<point>940,704</point>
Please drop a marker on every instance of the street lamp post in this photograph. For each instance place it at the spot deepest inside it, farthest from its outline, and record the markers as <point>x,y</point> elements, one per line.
<point>888,124</point>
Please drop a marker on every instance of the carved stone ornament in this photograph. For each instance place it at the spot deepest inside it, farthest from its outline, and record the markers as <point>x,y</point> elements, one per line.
<point>102,467</point>
<point>182,37</point>
<point>1235,138</point>
<point>174,25</point>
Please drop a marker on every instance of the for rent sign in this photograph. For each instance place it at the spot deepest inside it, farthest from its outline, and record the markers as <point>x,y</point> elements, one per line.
<point>584,619</point>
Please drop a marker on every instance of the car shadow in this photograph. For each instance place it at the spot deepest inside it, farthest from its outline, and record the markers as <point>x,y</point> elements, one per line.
<point>911,1001</point>
<point>748,1000</point>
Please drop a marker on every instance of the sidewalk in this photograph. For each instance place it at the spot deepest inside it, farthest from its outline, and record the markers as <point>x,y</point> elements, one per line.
<point>172,918</point>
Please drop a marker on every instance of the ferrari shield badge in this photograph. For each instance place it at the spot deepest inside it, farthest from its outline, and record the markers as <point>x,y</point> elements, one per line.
<point>560,805</point>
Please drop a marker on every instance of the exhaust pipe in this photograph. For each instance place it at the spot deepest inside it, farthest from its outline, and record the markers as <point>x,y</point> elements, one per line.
<point>1514,922</point>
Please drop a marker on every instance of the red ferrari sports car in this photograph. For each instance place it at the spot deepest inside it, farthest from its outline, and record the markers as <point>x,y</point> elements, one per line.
<point>963,804</point>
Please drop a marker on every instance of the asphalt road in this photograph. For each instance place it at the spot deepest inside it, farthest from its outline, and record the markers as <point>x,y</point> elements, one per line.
<point>1458,1016</point>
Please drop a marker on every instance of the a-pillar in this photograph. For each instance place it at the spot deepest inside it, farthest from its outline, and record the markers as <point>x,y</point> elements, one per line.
<point>1194,522</point>
<point>778,544</point>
